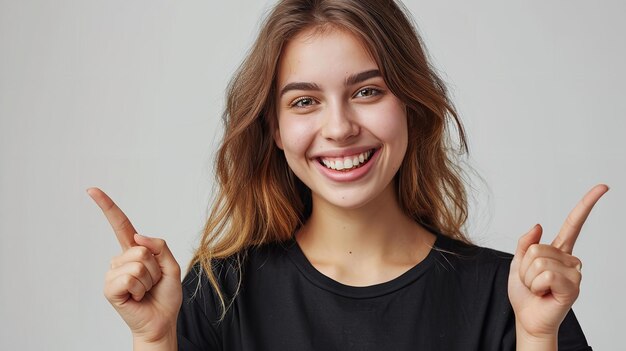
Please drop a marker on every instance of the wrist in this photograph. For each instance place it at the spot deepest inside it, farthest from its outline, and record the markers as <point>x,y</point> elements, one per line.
<point>529,342</point>
<point>167,342</point>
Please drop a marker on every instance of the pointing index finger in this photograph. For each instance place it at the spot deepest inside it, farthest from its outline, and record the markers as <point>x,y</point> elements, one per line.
<point>570,230</point>
<point>121,225</point>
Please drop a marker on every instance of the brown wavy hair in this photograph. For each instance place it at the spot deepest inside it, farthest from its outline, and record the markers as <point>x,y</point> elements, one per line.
<point>259,200</point>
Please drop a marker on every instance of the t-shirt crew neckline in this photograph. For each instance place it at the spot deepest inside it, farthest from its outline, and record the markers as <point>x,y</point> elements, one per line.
<point>360,292</point>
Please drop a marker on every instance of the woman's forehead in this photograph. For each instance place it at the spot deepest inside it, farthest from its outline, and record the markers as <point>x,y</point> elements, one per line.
<point>314,54</point>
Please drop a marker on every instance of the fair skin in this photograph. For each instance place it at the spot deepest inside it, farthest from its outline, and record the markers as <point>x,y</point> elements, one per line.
<point>357,233</point>
<point>334,105</point>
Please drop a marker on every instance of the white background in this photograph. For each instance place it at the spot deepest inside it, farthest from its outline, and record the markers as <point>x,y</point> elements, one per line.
<point>127,96</point>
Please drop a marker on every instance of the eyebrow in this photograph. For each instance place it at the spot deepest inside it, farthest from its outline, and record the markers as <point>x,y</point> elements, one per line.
<point>363,76</point>
<point>299,86</point>
<point>351,80</point>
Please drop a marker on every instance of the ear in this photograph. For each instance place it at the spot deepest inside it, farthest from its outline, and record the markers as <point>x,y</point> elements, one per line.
<point>277,139</point>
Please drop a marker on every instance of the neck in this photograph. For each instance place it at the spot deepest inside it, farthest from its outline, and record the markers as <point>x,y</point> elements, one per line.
<point>376,232</point>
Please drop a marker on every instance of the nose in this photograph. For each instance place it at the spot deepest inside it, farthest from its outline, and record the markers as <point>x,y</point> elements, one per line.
<point>339,123</point>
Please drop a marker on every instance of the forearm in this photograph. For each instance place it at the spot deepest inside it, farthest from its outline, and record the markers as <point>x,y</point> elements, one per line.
<point>167,343</point>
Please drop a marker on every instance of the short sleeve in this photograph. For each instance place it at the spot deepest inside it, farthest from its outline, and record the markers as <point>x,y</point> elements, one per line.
<point>196,326</point>
<point>571,336</point>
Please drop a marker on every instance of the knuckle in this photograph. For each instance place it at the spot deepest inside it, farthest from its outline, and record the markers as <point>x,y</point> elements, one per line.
<point>127,280</point>
<point>142,253</point>
<point>578,277</point>
<point>138,269</point>
<point>533,250</point>
<point>549,276</point>
<point>527,280</point>
<point>160,243</point>
<point>540,264</point>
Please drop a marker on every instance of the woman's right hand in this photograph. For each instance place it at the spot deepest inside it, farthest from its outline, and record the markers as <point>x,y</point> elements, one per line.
<point>143,283</point>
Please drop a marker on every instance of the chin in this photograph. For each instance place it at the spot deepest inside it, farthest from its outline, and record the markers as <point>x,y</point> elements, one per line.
<point>345,201</point>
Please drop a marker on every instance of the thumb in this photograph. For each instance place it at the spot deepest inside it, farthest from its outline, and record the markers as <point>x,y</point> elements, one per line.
<point>162,254</point>
<point>533,236</point>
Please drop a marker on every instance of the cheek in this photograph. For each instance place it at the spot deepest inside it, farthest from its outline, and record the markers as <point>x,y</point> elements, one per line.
<point>400,145</point>
<point>394,131</point>
<point>296,138</point>
<point>394,127</point>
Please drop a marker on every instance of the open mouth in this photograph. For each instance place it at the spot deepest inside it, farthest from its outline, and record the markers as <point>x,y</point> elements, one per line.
<point>346,164</point>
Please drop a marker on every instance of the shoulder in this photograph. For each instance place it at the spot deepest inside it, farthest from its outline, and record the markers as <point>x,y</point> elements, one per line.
<point>461,257</point>
<point>469,252</point>
<point>232,271</point>
<point>201,314</point>
<point>471,277</point>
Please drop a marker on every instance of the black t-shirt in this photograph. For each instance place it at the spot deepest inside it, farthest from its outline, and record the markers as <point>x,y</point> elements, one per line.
<point>455,299</point>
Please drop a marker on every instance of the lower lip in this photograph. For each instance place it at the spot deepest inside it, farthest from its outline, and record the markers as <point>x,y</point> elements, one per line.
<point>348,176</point>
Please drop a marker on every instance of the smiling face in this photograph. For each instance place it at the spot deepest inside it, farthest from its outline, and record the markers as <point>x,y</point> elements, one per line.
<point>343,133</point>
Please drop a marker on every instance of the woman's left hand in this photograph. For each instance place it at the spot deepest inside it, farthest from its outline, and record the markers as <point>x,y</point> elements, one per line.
<point>545,279</point>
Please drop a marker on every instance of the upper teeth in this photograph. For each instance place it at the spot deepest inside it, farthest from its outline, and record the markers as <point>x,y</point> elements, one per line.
<point>347,162</point>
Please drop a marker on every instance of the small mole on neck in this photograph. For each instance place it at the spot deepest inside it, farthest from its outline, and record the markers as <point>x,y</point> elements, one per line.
<point>350,252</point>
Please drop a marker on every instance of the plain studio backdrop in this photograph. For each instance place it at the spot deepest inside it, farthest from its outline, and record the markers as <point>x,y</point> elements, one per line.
<point>127,96</point>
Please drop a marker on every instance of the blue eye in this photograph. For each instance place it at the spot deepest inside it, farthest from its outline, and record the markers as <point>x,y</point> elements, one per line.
<point>367,92</point>
<point>302,102</point>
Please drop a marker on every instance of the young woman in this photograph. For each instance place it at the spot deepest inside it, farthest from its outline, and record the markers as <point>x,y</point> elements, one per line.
<point>338,222</point>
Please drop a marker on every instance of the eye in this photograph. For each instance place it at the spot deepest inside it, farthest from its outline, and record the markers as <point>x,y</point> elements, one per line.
<point>302,102</point>
<point>367,92</point>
